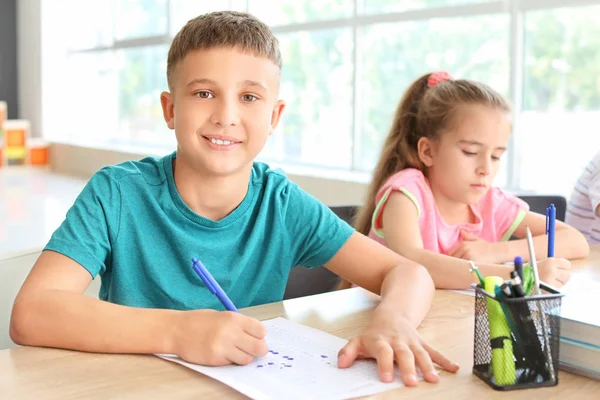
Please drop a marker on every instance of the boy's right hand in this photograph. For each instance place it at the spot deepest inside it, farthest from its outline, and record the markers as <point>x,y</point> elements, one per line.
<point>214,338</point>
<point>554,271</point>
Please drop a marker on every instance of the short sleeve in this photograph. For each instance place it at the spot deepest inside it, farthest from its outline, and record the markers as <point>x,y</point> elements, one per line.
<point>315,232</point>
<point>508,213</point>
<point>411,183</point>
<point>91,225</point>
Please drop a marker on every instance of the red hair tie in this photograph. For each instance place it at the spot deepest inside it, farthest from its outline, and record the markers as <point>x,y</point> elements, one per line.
<point>438,77</point>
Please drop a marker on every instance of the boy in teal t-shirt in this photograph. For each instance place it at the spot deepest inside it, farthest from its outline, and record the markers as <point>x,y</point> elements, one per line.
<point>139,224</point>
<point>134,214</point>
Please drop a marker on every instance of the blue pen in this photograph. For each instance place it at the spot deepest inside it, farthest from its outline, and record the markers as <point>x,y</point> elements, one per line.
<point>212,285</point>
<point>551,228</point>
<point>519,267</point>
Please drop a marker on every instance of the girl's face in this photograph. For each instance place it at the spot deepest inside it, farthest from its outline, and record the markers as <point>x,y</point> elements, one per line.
<point>463,162</point>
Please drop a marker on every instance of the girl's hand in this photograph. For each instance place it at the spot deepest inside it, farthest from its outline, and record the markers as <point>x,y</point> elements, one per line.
<point>554,271</point>
<point>476,249</point>
<point>390,338</point>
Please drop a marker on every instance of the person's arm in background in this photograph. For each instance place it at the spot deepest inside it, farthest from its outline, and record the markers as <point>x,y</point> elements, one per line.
<point>401,232</point>
<point>594,192</point>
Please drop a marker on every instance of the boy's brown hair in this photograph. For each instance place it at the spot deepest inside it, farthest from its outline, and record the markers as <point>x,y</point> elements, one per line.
<point>229,29</point>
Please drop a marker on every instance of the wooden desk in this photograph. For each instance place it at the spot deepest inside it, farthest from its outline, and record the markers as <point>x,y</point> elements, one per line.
<point>32,373</point>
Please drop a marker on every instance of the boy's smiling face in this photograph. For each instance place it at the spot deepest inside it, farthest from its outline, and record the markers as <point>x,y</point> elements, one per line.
<point>223,107</point>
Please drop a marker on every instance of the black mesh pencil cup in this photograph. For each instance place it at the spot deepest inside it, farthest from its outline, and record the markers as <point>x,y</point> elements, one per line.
<point>516,341</point>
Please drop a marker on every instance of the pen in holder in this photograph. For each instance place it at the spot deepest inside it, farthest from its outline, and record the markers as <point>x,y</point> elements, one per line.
<point>516,340</point>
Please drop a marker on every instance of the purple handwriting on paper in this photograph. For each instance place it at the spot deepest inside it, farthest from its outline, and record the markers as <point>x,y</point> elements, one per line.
<point>271,363</point>
<point>323,356</point>
<point>259,366</point>
<point>291,358</point>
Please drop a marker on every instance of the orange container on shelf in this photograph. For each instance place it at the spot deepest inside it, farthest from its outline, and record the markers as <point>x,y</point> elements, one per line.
<point>39,152</point>
<point>16,132</point>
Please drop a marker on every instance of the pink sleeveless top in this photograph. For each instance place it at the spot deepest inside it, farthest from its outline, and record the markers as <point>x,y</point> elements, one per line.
<point>497,214</point>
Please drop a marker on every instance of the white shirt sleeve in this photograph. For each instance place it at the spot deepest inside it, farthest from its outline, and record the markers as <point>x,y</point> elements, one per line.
<point>594,191</point>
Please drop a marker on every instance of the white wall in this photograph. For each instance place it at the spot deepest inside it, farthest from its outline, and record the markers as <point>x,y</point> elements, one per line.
<point>29,62</point>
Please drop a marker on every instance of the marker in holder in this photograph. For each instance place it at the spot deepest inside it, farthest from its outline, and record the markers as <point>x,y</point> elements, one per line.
<point>522,355</point>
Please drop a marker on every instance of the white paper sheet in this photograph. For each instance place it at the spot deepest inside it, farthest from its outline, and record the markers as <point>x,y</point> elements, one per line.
<point>580,302</point>
<point>468,292</point>
<point>301,364</point>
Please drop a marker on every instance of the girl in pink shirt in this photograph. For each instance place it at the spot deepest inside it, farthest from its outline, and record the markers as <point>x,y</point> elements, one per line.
<point>432,201</point>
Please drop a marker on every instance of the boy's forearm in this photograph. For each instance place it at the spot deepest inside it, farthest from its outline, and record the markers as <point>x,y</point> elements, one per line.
<point>408,290</point>
<point>55,318</point>
<point>453,273</point>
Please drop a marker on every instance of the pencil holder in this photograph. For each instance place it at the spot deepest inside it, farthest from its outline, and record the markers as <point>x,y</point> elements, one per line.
<point>516,340</point>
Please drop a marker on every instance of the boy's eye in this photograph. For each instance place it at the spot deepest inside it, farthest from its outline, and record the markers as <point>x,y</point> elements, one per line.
<point>468,153</point>
<point>204,94</point>
<point>249,97</point>
<point>495,158</point>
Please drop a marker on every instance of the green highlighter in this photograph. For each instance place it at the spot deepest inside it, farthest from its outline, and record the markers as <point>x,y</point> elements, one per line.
<point>503,362</point>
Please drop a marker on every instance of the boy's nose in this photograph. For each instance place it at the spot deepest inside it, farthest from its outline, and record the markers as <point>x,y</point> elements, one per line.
<point>225,114</point>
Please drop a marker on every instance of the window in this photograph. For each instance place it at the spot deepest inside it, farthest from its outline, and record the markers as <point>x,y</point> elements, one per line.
<point>285,12</point>
<point>317,85</point>
<point>136,19</point>
<point>558,131</point>
<point>398,53</point>
<point>387,6</point>
<point>346,64</point>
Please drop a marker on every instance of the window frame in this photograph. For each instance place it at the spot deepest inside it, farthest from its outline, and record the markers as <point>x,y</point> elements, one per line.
<point>515,8</point>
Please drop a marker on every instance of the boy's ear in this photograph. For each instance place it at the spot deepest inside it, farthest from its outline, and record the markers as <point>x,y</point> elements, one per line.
<point>426,150</point>
<point>166,101</point>
<point>276,115</point>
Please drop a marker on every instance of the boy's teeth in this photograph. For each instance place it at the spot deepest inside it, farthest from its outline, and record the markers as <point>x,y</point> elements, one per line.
<point>220,142</point>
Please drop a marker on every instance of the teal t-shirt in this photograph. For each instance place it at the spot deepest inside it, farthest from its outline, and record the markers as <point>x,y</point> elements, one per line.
<point>130,226</point>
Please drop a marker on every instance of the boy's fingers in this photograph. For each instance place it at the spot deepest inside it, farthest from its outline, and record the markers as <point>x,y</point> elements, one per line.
<point>251,345</point>
<point>423,360</point>
<point>406,362</point>
<point>440,359</point>
<point>348,353</point>
<point>254,327</point>
<point>239,357</point>
<point>384,354</point>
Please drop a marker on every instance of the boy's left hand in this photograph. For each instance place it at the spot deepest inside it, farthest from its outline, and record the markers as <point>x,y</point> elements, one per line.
<point>476,249</point>
<point>390,338</point>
